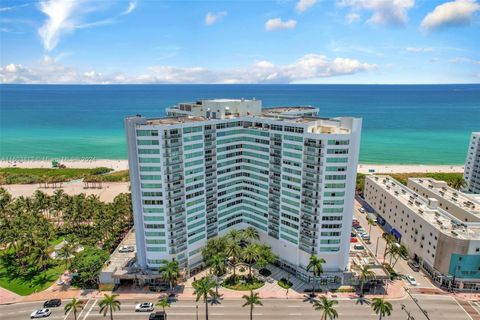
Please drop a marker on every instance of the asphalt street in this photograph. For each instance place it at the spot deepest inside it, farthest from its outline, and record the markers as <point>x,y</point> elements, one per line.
<point>438,307</point>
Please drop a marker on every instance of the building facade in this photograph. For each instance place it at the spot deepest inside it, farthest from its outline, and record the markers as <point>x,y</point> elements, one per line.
<point>216,165</point>
<point>472,165</point>
<point>446,247</point>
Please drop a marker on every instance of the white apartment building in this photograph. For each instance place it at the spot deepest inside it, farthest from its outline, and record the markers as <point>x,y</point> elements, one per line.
<point>446,247</point>
<point>471,173</point>
<point>216,165</point>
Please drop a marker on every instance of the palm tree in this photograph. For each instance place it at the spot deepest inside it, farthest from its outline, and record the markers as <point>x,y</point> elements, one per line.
<point>365,274</point>
<point>327,306</point>
<point>381,307</point>
<point>67,252</point>
<point>401,251</point>
<point>458,183</point>
<point>204,289</point>
<point>233,251</point>
<point>217,264</point>
<point>252,300</point>
<point>316,266</point>
<point>389,240</point>
<point>109,303</point>
<point>75,306</point>
<point>251,234</point>
<point>164,303</point>
<point>371,223</point>
<point>235,235</point>
<point>170,271</point>
<point>250,254</point>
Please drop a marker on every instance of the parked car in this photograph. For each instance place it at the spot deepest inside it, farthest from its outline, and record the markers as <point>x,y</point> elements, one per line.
<point>414,266</point>
<point>353,239</point>
<point>145,306</point>
<point>42,313</point>
<point>365,236</point>
<point>124,249</point>
<point>159,315</point>
<point>411,280</point>
<point>358,247</point>
<point>52,303</point>
<point>362,210</point>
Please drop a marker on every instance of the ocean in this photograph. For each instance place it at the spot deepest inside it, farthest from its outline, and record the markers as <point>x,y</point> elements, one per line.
<point>402,124</point>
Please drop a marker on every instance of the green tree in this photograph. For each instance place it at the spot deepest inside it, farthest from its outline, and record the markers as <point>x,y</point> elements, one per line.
<point>235,235</point>
<point>217,264</point>
<point>170,271</point>
<point>250,255</point>
<point>164,303</point>
<point>328,308</point>
<point>381,307</point>
<point>252,300</point>
<point>251,234</point>
<point>365,274</point>
<point>458,183</point>
<point>316,266</point>
<point>75,305</point>
<point>265,255</point>
<point>234,252</point>
<point>87,265</point>
<point>204,289</point>
<point>67,252</point>
<point>371,223</point>
<point>109,304</point>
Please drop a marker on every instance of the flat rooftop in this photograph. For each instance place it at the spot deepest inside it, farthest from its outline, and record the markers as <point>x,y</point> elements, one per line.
<point>442,190</point>
<point>437,217</point>
<point>119,260</point>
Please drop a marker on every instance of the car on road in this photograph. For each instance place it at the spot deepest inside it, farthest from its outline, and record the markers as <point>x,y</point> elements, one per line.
<point>411,280</point>
<point>52,303</point>
<point>413,265</point>
<point>125,249</point>
<point>358,247</point>
<point>145,306</point>
<point>42,313</point>
<point>159,315</point>
<point>362,210</point>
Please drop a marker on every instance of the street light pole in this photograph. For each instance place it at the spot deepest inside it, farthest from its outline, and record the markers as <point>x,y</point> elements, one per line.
<point>376,247</point>
<point>196,312</point>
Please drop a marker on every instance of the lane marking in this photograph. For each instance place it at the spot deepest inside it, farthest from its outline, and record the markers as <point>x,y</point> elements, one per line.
<point>88,313</point>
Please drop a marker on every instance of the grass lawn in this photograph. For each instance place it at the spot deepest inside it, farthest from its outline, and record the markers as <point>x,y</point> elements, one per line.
<point>284,283</point>
<point>25,286</point>
<point>36,175</point>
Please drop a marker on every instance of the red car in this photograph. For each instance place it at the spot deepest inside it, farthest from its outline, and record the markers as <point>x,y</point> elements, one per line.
<point>353,239</point>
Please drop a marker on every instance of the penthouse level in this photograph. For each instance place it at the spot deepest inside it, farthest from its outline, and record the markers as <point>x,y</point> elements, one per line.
<point>289,175</point>
<point>446,247</point>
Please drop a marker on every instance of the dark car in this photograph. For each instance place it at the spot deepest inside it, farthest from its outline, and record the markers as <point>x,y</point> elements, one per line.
<point>52,303</point>
<point>415,267</point>
<point>159,315</point>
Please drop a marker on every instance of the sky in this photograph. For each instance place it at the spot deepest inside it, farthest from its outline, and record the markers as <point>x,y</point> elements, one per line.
<point>244,41</point>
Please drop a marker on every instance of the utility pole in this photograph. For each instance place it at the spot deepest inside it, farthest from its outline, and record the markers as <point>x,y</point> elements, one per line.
<point>425,313</point>
<point>409,316</point>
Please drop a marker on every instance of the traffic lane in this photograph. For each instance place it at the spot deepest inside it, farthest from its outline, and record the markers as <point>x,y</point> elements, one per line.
<point>24,309</point>
<point>401,266</point>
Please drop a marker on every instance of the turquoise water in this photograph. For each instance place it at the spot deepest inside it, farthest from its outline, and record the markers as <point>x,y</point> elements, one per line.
<point>401,124</point>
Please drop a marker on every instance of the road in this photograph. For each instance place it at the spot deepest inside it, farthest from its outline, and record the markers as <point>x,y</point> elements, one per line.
<point>438,307</point>
<point>376,235</point>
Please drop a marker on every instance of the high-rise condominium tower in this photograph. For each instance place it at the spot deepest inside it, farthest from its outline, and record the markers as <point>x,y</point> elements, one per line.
<point>216,165</point>
<point>472,165</point>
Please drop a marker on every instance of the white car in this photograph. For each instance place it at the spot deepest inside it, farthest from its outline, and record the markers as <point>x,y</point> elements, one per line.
<point>411,280</point>
<point>126,249</point>
<point>362,210</point>
<point>42,313</point>
<point>146,306</point>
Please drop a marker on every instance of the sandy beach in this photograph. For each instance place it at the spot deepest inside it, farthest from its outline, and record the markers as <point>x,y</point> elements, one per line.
<point>123,165</point>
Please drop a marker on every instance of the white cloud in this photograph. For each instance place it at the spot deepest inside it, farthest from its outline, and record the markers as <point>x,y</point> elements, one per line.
<point>464,60</point>
<point>419,49</point>
<point>303,5</point>
<point>353,17</point>
<point>65,16</point>
<point>132,5</point>
<point>212,17</point>
<point>387,12</point>
<point>308,67</point>
<point>455,13</point>
<point>3,9</point>
<point>278,24</point>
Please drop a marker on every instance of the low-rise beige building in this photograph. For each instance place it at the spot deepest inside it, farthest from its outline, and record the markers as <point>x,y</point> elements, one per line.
<point>447,248</point>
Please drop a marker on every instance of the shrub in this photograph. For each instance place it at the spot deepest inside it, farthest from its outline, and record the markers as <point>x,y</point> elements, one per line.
<point>242,283</point>
<point>265,272</point>
<point>284,283</point>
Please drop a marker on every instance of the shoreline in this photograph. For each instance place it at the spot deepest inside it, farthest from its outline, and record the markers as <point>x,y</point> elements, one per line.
<point>122,164</point>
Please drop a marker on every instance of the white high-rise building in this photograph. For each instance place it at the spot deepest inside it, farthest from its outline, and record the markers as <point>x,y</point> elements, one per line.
<point>216,165</point>
<point>472,165</point>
